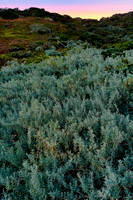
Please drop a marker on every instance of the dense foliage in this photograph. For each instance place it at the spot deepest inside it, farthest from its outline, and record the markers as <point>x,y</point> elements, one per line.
<point>40,28</point>
<point>34,25</point>
<point>66,127</point>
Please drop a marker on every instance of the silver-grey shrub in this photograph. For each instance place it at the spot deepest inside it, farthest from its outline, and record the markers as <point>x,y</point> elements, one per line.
<point>39,28</point>
<point>65,129</point>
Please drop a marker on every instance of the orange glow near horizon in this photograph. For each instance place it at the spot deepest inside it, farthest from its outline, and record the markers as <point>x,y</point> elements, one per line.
<point>90,11</point>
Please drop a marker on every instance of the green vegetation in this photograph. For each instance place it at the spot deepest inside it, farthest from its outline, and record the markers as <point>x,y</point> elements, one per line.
<point>66,127</point>
<point>26,30</point>
<point>39,28</point>
<point>66,106</point>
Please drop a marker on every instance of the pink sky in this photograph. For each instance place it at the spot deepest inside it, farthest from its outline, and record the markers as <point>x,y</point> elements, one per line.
<point>89,11</point>
<point>93,11</point>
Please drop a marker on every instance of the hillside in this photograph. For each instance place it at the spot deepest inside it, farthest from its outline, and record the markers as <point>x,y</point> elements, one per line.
<point>66,106</point>
<point>25,35</point>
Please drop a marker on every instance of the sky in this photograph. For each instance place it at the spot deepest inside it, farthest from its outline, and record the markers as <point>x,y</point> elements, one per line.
<point>89,9</point>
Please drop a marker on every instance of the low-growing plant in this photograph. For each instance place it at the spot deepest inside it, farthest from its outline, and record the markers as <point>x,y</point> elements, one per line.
<point>66,128</point>
<point>71,44</point>
<point>39,48</point>
<point>52,52</point>
<point>39,28</point>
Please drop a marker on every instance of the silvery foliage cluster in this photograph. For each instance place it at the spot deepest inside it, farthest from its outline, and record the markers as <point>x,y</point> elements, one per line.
<point>39,28</point>
<point>52,52</point>
<point>66,126</point>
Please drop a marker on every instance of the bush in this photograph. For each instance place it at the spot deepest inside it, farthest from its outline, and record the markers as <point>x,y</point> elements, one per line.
<point>52,52</point>
<point>48,19</point>
<point>39,28</point>
<point>71,44</point>
<point>8,14</point>
<point>39,48</point>
<point>66,127</point>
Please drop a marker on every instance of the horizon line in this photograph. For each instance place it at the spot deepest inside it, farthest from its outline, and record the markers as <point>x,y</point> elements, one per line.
<point>74,15</point>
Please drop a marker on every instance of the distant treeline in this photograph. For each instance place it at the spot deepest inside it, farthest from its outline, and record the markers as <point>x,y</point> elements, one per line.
<point>8,13</point>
